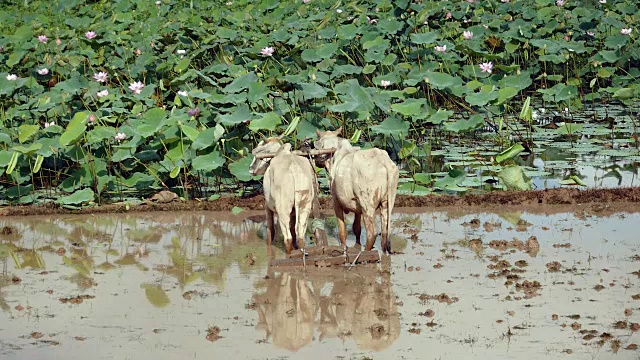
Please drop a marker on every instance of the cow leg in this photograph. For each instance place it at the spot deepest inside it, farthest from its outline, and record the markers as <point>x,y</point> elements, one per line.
<point>342,229</point>
<point>370,227</point>
<point>283,222</point>
<point>271,230</point>
<point>385,243</point>
<point>357,227</point>
<point>301,226</point>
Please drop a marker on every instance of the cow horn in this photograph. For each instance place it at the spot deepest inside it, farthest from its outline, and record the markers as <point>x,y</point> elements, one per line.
<point>319,133</point>
<point>338,131</point>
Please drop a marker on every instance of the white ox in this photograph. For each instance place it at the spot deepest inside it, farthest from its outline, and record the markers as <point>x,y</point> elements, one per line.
<point>289,191</point>
<point>361,182</point>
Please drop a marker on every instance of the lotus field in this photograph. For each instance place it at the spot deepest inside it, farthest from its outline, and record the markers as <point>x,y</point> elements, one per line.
<point>114,100</point>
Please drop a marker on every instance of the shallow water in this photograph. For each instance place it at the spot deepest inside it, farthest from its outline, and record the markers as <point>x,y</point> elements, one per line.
<point>155,283</point>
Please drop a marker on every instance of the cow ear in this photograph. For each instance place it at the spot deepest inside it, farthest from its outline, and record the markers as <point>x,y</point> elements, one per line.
<point>338,131</point>
<point>319,133</point>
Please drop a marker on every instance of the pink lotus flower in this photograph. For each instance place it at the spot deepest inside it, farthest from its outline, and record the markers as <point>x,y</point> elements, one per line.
<point>101,76</point>
<point>120,136</point>
<point>136,87</point>
<point>591,33</point>
<point>372,21</point>
<point>486,67</point>
<point>43,39</point>
<point>448,15</point>
<point>440,48</point>
<point>12,77</point>
<point>46,124</point>
<point>467,35</point>
<point>102,93</point>
<point>560,2</point>
<point>43,71</point>
<point>92,118</point>
<point>268,51</point>
<point>626,31</point>
<point>90,35</point>
<point>385,83</point>
<point>138,51</point>
<point>58,41</point>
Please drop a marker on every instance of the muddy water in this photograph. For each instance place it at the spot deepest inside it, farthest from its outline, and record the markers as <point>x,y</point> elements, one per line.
<point>197,285</point>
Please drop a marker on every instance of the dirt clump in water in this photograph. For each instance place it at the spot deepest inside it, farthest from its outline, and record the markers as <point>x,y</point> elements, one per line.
<point>76,299</point>
<point>530,288</point>
<point>442,298</point>
<point>554,266</point>
<point>489,226</point>
<point>565,245</point>
<point>474,223</point>
<point>213,333</point>
<point>428,313</point>
<point>620,325</point>
<point>502,264</point>
<point>475,245</point>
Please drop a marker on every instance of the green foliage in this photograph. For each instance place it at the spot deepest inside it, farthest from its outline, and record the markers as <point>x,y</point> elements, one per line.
<point>212,89</point>
<point>513,178</point>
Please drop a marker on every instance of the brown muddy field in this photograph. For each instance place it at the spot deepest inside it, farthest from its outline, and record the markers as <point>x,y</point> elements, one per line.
<point>557,196</point>
<point>531,280</point>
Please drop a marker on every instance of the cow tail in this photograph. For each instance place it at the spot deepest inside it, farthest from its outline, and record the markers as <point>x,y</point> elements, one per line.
<point>391,189</point>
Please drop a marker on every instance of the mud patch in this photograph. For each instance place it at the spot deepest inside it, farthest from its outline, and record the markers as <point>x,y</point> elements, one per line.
<point>599,199</point>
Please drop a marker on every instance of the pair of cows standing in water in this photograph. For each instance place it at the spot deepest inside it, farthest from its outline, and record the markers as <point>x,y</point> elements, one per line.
<point>361,182</point>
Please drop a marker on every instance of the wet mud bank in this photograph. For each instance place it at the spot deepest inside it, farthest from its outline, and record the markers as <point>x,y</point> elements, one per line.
<point>530,199</point>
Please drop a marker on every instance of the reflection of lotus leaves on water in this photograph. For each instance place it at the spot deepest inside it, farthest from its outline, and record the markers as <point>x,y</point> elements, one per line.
<point>358,304</point>
<point>198,246</point>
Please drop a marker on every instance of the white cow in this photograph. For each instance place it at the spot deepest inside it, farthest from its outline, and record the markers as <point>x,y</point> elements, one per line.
<point>289,190</point>
<point>361,182</point>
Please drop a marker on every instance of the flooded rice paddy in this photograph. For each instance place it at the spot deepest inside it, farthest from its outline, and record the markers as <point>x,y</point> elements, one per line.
<point>499,284</point>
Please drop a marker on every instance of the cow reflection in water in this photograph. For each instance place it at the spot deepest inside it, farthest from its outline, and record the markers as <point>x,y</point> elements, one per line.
<point>360,305</point>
